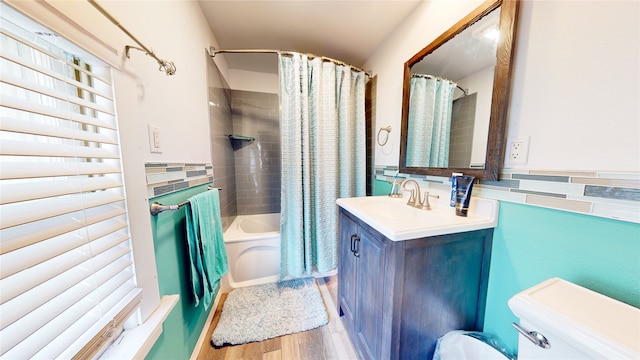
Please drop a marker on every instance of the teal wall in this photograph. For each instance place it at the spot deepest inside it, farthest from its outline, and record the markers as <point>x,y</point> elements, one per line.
<point>381,187</point>
<point>184,324</point>
<point>532,244</point>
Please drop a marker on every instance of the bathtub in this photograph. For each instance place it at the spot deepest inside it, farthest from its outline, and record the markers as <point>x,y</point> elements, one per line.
<point>253,250</point>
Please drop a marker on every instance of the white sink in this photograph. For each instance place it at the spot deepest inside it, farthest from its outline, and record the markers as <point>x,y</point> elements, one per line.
<point>398,221</point>
<point>386,207</point>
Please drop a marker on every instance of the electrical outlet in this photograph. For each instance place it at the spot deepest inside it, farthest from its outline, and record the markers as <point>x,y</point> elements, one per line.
<point>154,139</point>
<point>518,150</point>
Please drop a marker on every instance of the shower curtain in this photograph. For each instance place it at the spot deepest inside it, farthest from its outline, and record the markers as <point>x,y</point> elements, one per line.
<point>429,125</point>
<point>322,124</point>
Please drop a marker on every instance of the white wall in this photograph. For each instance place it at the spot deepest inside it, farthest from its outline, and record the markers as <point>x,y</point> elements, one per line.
<point>575,87</point>
<point>176,104</point>
<point>254,81</point>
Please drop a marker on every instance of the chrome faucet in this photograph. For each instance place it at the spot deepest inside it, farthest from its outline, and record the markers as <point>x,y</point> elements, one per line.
<point>416,200</point>
<point>413,200</point>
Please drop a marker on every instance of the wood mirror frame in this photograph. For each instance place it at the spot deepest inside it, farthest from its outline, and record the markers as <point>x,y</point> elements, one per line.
<point>499,98</point>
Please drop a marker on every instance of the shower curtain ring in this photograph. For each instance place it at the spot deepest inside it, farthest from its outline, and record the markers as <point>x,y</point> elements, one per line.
<point>388,130</point>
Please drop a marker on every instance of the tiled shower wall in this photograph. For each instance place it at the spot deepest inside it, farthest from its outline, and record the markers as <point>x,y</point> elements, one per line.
<point>257,163</point>
<point>370,115</point>
<point>222,156</point>
<point>463,117</point>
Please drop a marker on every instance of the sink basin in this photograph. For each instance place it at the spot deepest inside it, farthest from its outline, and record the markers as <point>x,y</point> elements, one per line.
<point>398,221</point>
<point>381,206</point>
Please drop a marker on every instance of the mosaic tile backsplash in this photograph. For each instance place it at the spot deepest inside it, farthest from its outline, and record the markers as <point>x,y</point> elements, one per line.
<point>614,195</point>
<point>165,178</point>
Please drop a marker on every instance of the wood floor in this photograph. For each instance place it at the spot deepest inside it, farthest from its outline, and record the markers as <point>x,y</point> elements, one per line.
<point>327,342</point>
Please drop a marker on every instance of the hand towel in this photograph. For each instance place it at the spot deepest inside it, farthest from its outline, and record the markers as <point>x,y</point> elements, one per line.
<point>207,253</point>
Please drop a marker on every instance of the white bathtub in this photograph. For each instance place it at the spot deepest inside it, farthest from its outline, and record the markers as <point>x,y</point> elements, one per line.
<point>253,250</point>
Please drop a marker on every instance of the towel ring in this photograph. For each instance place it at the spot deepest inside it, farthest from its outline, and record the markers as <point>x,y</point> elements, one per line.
<point>388,130</point>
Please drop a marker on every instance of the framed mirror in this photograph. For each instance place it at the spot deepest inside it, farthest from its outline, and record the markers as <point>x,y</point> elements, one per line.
<point>456,96</point>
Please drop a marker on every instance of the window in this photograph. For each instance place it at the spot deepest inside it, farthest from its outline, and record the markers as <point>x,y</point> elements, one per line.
<point>67,279</point>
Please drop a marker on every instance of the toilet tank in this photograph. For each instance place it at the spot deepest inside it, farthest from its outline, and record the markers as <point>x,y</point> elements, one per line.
<point>577,322</point>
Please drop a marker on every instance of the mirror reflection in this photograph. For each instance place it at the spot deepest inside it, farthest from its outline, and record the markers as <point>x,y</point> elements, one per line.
<point>476,143</point>
<point>450,95</point>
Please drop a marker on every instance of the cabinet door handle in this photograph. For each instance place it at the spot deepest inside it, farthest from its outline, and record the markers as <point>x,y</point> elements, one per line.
<point>353,243</point>
<point>356,247</point>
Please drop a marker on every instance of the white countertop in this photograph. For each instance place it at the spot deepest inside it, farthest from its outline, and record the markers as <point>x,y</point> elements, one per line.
<point>398,221</point>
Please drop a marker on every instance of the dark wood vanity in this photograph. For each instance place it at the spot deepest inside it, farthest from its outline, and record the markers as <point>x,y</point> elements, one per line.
<point>396,298</point>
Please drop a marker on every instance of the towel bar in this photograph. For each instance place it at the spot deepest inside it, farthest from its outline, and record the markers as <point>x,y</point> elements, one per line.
<point>157,208</point>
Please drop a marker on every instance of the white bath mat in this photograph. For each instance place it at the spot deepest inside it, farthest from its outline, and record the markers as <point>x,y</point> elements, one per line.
<point>267,311</point>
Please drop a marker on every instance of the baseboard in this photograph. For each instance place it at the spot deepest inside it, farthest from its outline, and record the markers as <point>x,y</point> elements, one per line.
<point>205,329</point>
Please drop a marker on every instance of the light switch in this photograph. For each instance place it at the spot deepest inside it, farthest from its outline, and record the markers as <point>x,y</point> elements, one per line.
<point>154,139</point>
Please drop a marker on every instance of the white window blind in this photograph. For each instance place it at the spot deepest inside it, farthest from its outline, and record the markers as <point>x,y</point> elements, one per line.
<point>66,266</point>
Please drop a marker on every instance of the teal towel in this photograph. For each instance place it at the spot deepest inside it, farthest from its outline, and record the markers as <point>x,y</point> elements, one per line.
<point>206,245</point>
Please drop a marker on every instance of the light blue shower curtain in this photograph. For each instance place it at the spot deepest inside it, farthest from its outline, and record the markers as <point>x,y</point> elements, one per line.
<point>429,125</point>
<point>322,125</point>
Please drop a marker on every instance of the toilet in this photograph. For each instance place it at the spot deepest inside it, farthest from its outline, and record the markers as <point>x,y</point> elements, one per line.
<point>558,320</point>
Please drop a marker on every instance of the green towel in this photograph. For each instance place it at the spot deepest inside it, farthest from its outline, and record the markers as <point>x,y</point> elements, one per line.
<point>206,245</point>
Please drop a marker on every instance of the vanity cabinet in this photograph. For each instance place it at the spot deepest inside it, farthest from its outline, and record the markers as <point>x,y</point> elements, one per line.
<point>361,266</point>
<point>396,298</point>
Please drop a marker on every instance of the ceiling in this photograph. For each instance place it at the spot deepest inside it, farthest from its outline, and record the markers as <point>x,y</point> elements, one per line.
<point>349,31</point>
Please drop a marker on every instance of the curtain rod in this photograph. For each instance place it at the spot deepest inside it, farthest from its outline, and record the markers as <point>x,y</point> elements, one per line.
<point>167,66</point>
<point>464,91</point>
<point>213,51</point>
